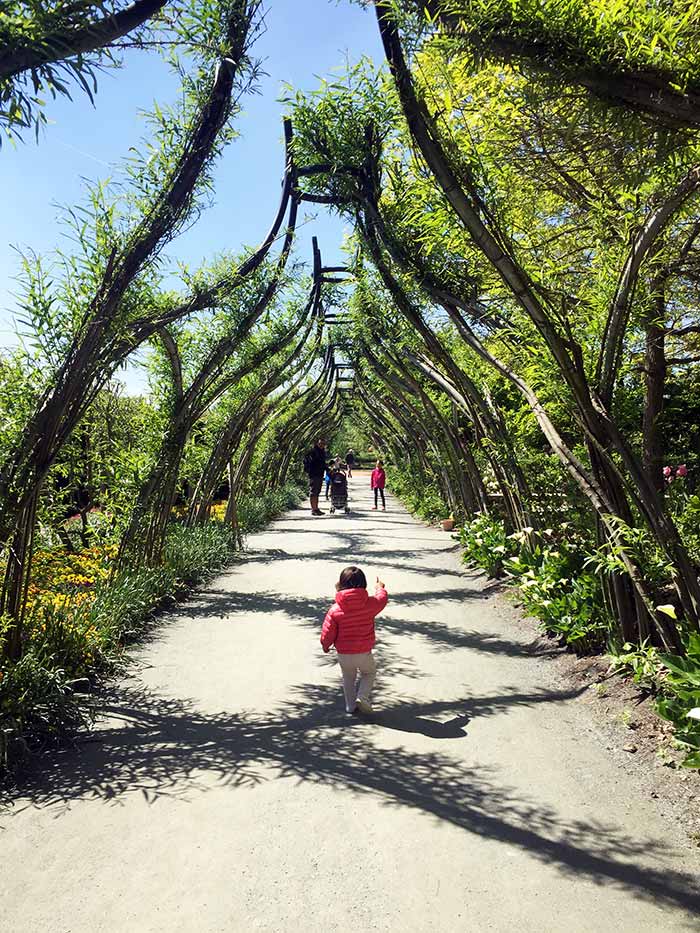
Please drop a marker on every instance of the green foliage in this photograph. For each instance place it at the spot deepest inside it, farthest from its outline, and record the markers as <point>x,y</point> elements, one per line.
<point>37,704</point>
<point>688,521</point>
<point>51,48</point>
<point>681,689</point>
<point>636,543</point>
<point>255,511</point>
<point>557,588</point>
<point>352,435</point>
<point>641,661</point>
<point>645,35</point>
<point>194,553</point>
<point>485,544</point>
<point>554,584</point>
<point>421,498</point>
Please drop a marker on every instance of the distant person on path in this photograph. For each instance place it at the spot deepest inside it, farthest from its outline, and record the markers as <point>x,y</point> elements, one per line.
<point>377,483</point>
<point>349,625</point>
<point>350,460</point>
<point>327,480</point>
<point>315,467</point>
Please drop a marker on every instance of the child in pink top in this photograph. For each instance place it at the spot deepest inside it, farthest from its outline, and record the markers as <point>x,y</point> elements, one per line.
<point>349,625</point>
<point>377,483</point>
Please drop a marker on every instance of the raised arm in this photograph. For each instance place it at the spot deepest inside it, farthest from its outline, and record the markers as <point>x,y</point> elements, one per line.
<point>380,598</point>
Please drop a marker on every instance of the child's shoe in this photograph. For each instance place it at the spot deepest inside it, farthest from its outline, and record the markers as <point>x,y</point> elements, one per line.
<point>383,508</point>
<point>374,508</point>
<point>364,707</point>
<point>351,712</point>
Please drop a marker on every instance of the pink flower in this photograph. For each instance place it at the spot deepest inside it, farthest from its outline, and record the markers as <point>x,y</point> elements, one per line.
<point>682,470</point>
<point>668,471</point>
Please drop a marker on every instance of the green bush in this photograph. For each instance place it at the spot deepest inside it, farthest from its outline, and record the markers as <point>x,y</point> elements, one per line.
<point>37,704</point>
<point>688,521</point>
<point>680,700</point>
<point>555,585</point>
<point>485,544</point>
<point>557,589</point>
<point>191,554</point>
<point>85,638</point>
<point>641,661</point>
<point>256,511</point>
<point>422,500</point>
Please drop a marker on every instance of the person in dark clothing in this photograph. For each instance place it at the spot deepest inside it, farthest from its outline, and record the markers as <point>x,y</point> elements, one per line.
<point>315,467</point>
<point>350,460</point>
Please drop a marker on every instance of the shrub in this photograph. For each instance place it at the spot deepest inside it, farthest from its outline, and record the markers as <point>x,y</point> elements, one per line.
<point>688,521</point>
<point>425,501</point>
<point>641,661</point>
<point>485,544</point>
<point>554,584</point>
<point>37,703</point>
<point>557,589</point>
<point>680,702</point>
<point>254,512</point>
<point>191,554</point>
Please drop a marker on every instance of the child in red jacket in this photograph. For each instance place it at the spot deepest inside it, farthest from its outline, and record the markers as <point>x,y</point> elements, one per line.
<point>349,625</point>
<point>377,483</point>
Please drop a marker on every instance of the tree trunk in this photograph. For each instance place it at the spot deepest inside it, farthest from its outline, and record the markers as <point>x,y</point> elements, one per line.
<point>654,384</point>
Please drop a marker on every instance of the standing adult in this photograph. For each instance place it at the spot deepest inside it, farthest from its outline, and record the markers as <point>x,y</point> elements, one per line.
<point>315,466</point>
<point>350,460</point>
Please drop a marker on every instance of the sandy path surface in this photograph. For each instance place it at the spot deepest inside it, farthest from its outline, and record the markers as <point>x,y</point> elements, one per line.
<point>227,790</point>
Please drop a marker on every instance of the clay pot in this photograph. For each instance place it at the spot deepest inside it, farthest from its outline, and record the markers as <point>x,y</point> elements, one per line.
<point>448,524</point>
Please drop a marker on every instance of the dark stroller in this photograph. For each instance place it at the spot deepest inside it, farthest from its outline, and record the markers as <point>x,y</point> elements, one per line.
<point>339,491</point>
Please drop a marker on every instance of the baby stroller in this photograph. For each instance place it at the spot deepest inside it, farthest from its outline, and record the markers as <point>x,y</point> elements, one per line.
<point>339,491</point>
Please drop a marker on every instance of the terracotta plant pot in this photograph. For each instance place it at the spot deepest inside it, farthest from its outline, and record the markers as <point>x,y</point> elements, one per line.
<point>448,524</point>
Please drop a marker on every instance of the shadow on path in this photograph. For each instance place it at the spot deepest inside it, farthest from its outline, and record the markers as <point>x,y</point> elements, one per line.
<point>215,603</point>
<point>162,747</point>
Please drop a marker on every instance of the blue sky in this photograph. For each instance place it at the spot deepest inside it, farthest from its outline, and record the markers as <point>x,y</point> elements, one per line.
<point>304,40</point>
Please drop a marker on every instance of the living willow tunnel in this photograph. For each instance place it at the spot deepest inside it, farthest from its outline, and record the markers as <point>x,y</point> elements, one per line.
<point>513,329</point>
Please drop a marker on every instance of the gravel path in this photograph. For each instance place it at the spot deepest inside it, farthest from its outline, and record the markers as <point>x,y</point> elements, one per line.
<point>226,789</point>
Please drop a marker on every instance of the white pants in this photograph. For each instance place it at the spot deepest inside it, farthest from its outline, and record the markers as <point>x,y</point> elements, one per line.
<point>350,664</point>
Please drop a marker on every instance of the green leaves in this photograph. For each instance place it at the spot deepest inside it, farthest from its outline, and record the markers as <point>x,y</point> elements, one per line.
<point>45,48</point>
<point>680,702</point>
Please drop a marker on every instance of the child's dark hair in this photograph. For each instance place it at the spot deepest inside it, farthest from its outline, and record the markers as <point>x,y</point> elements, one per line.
<point>352,578</point>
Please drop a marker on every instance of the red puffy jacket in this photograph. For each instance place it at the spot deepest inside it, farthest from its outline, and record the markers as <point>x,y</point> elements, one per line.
<point>378,478</point>
<point>349,624</point>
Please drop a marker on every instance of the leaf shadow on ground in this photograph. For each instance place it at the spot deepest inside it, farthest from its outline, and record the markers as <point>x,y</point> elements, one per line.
<point>393,560</point>
<point>218,603</point>
<point>162,747</point>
